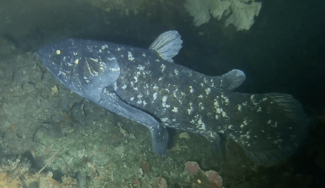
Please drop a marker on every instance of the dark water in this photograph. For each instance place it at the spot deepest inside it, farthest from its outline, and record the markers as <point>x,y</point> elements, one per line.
<point>283,51</point>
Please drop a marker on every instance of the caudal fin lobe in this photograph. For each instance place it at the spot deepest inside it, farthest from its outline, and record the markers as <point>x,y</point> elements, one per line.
<point>274,127</point>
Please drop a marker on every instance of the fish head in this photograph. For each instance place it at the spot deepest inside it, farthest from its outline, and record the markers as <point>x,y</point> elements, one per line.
<point>81,65</point>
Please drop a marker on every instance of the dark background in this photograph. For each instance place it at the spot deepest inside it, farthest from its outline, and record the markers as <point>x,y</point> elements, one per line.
<point>282,52</point>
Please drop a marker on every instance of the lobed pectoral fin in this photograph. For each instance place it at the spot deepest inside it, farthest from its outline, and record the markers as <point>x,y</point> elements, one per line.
<point>159,135</point>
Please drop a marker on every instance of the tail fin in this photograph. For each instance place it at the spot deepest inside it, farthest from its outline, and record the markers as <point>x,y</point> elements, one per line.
<point>274,127</point>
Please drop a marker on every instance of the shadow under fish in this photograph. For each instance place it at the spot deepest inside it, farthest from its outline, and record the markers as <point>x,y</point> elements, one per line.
<point>144,85</point>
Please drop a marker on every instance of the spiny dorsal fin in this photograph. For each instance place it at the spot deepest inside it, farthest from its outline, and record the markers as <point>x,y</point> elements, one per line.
<point>167,45</point>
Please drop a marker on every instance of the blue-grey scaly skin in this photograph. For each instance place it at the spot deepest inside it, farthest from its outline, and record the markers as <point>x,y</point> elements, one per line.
<point>138,84</point>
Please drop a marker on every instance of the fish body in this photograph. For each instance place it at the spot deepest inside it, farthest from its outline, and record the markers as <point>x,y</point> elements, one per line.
<point>145,86</point>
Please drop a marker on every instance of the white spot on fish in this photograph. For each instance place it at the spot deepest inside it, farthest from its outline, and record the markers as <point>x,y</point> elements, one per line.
<point>190,110</point>
<point>230,126</point>
<point>114,69</point>
<point>239,107</point>
<point>143,54</point>
<point>130,57</point>
<point>216,104</point>
<point>207,91</point>
<point>201,106</point>
<point>226,101</point>
<point>163,67</point>
<point>205,80</point>
<point>176,72</point>
<point>140,67</point>
<point>175,93</point>
<point>201,124</point>
<point>124,86</point>
<point>164,99</point>
<point>76,61</point>
<point>164,119</point>
<point>104,47</point>
<point>191,89</point>
<point>154,96</point>
<point>175,110</point>
<point>94,60</point>
<point>132,98</point>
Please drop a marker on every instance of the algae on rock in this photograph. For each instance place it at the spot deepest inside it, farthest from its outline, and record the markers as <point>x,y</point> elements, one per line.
<point>239,13</point>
